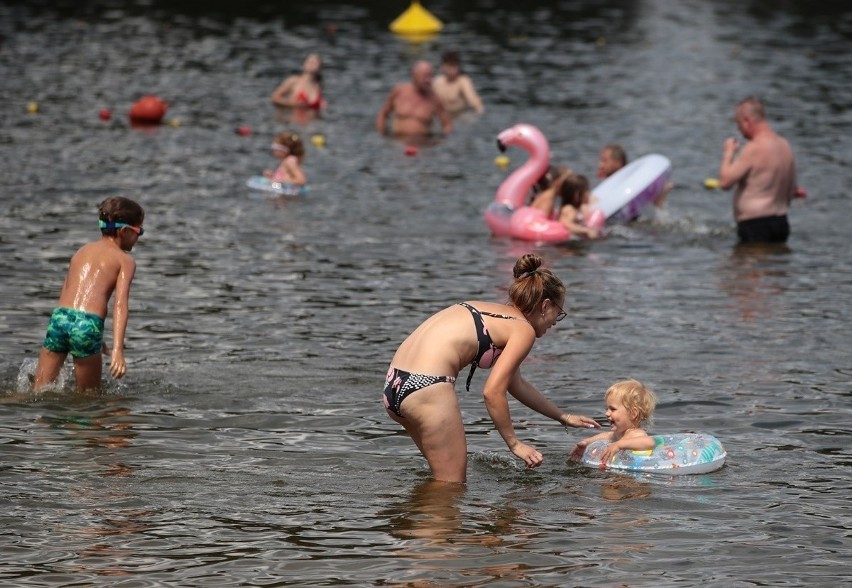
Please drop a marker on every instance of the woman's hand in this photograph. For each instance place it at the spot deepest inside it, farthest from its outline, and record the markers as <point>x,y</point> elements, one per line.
<point>529,454</point>
<point>579,421</point>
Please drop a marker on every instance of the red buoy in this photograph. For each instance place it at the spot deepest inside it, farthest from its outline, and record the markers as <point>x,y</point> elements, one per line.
<point>148,109</point>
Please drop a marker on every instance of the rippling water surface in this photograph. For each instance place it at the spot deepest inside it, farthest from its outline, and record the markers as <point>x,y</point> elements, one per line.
<point>248,445</point>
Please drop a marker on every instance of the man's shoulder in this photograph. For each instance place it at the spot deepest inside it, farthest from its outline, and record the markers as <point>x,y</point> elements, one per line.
<point>769,141</point>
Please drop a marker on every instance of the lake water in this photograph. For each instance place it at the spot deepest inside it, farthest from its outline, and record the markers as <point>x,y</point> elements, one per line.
<point>248,446</point>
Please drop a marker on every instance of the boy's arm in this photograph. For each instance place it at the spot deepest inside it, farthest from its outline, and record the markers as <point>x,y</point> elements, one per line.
<point>470,94</point>
<point>120,309</point>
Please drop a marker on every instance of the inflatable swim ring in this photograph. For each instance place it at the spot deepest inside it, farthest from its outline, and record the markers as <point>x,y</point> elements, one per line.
<point>266,185</point>
<point>508,215</point>
<point>625,193</point>
<point>685,453</point>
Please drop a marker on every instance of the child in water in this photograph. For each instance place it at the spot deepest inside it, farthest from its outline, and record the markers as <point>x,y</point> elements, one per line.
<point>629,406</point>
<point>575,196</point>
<point>288,147</point>
<point>97,270</point>
<point>576,200</point>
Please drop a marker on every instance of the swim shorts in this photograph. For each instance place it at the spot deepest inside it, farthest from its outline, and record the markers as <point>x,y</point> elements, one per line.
<point>73,331</point>
<point>766,229</point>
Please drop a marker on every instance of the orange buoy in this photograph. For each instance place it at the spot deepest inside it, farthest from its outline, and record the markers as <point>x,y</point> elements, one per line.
<point>148,109</point>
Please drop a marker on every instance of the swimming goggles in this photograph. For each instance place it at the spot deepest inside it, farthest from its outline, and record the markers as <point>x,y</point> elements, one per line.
<point>105,225</point>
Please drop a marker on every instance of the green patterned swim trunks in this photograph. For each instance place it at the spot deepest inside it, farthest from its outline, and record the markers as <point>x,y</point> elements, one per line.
<point>73,331</point>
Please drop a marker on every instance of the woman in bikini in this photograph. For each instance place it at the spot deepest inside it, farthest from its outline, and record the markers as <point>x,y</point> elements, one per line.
<point>304,90</point>
<point>419,388</point>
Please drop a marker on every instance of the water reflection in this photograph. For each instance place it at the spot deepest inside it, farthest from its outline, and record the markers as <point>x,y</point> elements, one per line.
<point>108,430</point>
<point>96,526</point>
<point>436,531</point>
<point>625,487</point>
<point>754,276</point>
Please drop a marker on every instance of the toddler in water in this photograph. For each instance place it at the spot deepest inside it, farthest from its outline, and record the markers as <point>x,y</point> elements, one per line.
<point>629,406</point>
<point>288,147</point>
<point>576,200</point>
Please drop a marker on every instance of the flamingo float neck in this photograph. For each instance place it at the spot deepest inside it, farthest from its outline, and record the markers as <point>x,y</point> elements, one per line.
<point>514,189</point>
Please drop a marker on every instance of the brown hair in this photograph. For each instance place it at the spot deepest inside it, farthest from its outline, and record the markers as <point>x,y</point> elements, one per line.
<point>120,210</point>
<point>451,58</point>
<point>617,152</point>
<point>755,107</point>
<point>636,398</point>
<point>548,177</point>
<point>292,142</point>
<point>532,284</point>
<point>573,188</point>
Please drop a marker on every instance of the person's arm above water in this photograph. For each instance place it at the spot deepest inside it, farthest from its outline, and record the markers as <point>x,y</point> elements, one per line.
<point>386,110</point>
<point>283,91</point>
<point>733,167</point>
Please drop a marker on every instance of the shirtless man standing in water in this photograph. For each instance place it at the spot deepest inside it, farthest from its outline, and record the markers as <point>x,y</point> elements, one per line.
<point>414,105</point>
<point>454,88</point>
<point>764,173</point>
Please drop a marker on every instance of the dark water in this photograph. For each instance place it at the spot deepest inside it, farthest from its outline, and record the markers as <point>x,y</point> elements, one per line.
<point>247,445</point>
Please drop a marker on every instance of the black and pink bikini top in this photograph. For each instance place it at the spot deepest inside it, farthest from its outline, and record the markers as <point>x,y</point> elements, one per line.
<point>488,352</point>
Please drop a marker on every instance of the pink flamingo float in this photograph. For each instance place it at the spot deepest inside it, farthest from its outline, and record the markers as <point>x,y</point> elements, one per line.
<point>617,197</point>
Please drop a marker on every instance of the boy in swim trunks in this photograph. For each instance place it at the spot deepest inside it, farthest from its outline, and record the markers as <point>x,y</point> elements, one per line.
<point>97,270</point>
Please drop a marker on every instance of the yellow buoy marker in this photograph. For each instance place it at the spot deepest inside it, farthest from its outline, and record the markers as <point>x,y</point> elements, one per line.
<point>416,20</point>
<point>711,183</point>
<point>318,140</point>
<point>501,161</point>
<point>32,107</point>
